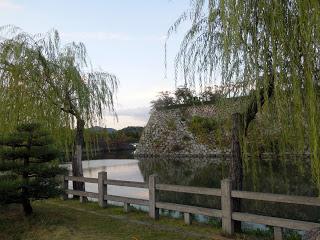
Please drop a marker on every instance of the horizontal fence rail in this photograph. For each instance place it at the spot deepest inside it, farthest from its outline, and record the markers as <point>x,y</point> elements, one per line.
<point>190,209</point>
<point>81,179</point>
<point>275,222</point>
<point>226,194</point>
<point>280,198</point>
<point>127,200</point>
<point>126,183</point>
<point>83,194</point>
<point>187,189</point>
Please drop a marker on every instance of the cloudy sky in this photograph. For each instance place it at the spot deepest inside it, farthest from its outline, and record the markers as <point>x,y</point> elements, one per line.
<point>124,37</point>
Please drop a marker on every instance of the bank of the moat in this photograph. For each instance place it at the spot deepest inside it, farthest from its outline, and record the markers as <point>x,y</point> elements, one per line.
<point>182,131</point>
<point>204,130</point>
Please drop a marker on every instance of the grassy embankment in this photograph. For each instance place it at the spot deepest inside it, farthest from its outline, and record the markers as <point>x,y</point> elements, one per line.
<point>71,220</point>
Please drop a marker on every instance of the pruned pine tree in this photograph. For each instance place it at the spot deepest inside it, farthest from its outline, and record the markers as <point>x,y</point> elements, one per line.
<point>55,84</point>
<point>28,169</point>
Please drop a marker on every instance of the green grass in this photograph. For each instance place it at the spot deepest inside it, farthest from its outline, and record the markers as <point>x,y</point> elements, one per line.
<point>71,220</point>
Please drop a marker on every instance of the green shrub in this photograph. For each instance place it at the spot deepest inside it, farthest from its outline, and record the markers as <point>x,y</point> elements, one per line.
<point>164,101</point>
<point>202,125</point>
<point>171,125</point>
<point>203,128</point>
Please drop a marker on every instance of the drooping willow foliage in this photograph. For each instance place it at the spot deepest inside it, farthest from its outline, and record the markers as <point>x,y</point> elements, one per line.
<point>45,81</point>
<point>270,51</point>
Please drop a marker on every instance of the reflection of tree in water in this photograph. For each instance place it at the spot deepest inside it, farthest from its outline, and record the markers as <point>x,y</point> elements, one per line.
<point>283,177</point>
<point>177,171</point>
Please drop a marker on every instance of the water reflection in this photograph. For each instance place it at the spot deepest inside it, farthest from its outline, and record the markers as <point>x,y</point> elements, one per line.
<point>125,169</point>
<point>284,177</point>
<point>271,176</point>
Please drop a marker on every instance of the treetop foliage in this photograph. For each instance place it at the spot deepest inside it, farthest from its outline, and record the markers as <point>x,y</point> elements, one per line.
<point>187,97</point>
<point>270,51</point>
<point>50,82</point>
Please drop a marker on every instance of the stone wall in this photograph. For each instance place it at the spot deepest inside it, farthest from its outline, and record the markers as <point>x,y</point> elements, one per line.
<point>166,133</point>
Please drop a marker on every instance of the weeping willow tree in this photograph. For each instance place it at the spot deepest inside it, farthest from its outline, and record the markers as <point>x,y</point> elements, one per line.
<point>42,80</point>
<point>269,51</point>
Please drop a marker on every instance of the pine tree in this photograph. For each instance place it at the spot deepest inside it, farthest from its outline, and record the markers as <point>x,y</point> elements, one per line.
<point>27,167</point>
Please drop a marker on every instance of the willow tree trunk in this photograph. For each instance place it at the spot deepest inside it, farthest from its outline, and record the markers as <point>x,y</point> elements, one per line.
<point>26,205</point>
<point>77,158</point>
<point>236,168</point>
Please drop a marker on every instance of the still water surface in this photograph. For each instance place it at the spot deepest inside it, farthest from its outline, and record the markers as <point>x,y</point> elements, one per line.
<point>118,169</point>
<point>284,177</point>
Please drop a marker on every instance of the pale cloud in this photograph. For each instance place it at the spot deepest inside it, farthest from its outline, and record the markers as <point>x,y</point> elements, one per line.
<point>127,117</point>
<point>110,36</point>
<point>139,113</point>
<point>9,5</point>
<point>123,121</point>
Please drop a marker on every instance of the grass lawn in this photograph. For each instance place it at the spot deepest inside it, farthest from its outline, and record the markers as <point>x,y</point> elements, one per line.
<point>71,220</point>
<point>59,220</point>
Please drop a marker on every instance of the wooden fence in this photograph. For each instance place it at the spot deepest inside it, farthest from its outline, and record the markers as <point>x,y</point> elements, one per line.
<point>225,193</point>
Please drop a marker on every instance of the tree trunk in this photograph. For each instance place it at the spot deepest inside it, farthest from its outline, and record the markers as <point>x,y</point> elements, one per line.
<point>77,158</point>
<point>26,202</point>
<point>27,208</point>
<point>236,169</point>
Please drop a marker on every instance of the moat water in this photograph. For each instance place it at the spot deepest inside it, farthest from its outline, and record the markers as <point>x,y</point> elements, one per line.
<point>277,176</point>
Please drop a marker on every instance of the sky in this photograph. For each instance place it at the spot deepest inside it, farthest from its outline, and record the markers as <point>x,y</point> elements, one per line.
<point>123,37</point>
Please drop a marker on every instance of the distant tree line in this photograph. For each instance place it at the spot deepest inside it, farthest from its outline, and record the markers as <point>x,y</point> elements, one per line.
<point>125,135</point>
<point>186,96</point>
<point>102,141</point>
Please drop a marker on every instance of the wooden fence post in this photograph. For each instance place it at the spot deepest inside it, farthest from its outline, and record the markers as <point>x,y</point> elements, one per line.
<point>226,207</point>
<point>126,207</point>
<point>277,231</point>
<point>187,218</point>
<point>65,187</point>
<point>153,211</point>
<point>102,188</point>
